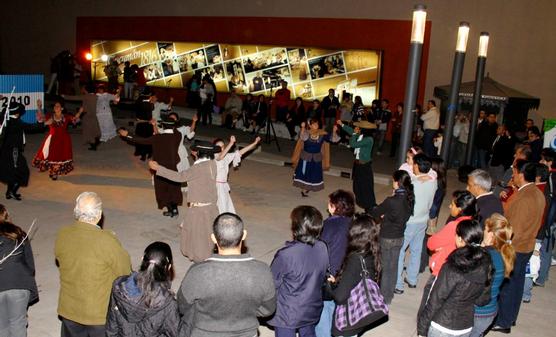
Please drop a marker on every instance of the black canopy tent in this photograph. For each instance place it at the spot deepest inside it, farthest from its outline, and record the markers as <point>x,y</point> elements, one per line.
<point>511,105</point>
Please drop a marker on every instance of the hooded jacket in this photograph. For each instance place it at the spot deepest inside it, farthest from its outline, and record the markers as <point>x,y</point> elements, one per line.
<point>453,296</point>
<point>128,315</point>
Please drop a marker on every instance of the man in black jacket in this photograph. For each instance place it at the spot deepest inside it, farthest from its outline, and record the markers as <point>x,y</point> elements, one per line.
<point>479,184</point>
<point>224,295</point>
<point>330,105</point>
<point>502,153</point>
<point>486,133</point>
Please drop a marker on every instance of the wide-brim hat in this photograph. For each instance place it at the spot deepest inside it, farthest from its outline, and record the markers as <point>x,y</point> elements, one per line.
<point>16,109</point>
<point>365,125</point>
<point>204,146</point>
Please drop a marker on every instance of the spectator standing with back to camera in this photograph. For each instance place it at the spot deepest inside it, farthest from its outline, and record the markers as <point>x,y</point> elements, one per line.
<point>142,303</point>
<point>89,259</point>
<point>299,270</point>
<point>335,230</point>
<point>223,295</point>
<point>18,288</point>
<point>393,214</point>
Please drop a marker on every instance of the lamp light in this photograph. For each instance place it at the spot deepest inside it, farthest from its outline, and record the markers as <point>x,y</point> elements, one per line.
<point>463,34</point>
<point>483,44</point>
<point>419,22</point>
<point>88,56</point>
<point>104,58</point>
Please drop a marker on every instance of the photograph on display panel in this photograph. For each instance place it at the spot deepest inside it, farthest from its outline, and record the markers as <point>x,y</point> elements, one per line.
<point>309,71</point>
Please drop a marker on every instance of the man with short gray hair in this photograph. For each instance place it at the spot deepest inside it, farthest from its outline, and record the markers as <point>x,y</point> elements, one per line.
<point>89,259</point>
<point>479,183</point>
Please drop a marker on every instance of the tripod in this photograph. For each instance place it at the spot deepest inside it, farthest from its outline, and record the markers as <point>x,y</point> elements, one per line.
<point>269,125</point>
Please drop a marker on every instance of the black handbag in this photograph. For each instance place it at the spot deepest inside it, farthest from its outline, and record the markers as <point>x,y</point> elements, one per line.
<point>327,286</point>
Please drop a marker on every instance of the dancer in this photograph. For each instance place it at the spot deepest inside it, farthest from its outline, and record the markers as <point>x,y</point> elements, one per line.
<point>14,170</point>
<point>185,131</point>
<point>55,153</point>
<point>196,227</point>
<point>223,161</point>
<point>104,113</point>
<point>165,150</point>
<point>362,173</point>
<point>144,127</point>
<point>89,122</point>
<point>311,156</point>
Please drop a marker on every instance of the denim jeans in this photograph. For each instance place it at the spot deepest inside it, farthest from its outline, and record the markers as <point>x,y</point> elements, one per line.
<point>324,327</point>
<point>481,324</point>
<point>547,245</point>
<point>390,254</point>
<point>527,289</point>
<point>413,238</point>
<point>433,332</point>
<point>13,312</point>
<point>511,292</point>
<point>306,331</point>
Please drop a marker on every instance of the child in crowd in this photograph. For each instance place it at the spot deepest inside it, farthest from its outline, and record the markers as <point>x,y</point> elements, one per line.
<point>408,165</point>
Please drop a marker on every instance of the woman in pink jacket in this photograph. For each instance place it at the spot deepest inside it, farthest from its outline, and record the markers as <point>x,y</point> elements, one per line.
<point>443,243</point>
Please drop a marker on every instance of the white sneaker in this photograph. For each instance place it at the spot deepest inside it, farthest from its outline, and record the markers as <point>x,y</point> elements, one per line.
<point>553,263</point>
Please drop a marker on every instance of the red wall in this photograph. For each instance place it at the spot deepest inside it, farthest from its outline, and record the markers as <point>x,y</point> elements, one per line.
<point>389,36</point>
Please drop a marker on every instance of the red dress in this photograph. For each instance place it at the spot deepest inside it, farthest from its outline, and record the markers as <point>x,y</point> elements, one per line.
<point>55,153</point>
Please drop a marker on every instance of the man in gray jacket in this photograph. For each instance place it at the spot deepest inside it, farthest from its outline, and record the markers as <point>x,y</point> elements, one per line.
<point>223,295</point>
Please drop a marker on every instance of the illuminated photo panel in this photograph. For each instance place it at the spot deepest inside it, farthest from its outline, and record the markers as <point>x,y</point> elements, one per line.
<point>310,72</point>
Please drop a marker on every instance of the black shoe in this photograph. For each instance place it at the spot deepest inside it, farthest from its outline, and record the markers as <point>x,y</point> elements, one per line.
<point>412,286</point>
<point>304,195</point>
<point>398,291</point>
<point>167,213</point>
<point>175,212</point>
<point>53,176</point>
<point>11,195</point>
<point>501,329</point>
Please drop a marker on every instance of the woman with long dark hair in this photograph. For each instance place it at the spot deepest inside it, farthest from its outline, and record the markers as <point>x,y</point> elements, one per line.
<point>142,304</point>
<point>18,288</point>
<point>497,241</point>
<point>335,231</point>
<point>463,282</point>
<point>299,270</point>
<point>393,213</point>
<point>363,242</point>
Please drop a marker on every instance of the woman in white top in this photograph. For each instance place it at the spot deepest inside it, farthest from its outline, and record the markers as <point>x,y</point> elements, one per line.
<point>223,161</point>
<point>104,114</point>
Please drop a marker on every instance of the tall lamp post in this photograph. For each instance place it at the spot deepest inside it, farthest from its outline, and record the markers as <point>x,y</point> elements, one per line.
<point>412,80</point>
<point>479,75</point>
<point>453,100</point>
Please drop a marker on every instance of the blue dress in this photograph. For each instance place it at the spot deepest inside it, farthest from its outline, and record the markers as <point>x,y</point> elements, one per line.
<point>308,173</point>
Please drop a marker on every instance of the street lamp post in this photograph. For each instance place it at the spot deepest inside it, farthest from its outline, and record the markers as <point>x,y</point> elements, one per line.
<point>412,80</point>
<point>453,100</point>
<point>479,75</point>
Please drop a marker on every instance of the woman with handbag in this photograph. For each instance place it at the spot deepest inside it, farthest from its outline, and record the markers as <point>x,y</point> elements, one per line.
<point>299,270</point>
<point>463,282</point>
<point>358,277</point>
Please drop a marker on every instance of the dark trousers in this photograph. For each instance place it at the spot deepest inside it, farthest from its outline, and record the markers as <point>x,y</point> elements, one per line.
<point>291,128</point>
<point>206,112</point>
<point>306,331</point>
<point>74,329</point>
<point>512,292</point>
<point>390,254</point>
<point>424,255</point>
<point>394,144</point>
<point>363,185</point>
<point>428,143</point>
<point>281,113</point>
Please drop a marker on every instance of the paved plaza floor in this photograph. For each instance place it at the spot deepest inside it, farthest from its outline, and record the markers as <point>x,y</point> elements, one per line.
<point>262,193</point>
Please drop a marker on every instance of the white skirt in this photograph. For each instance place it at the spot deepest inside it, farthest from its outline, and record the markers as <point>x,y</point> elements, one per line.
<point>225,204</point>
<point>107,126</point>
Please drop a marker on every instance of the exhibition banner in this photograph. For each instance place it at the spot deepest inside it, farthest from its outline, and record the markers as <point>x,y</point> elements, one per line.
<point>255,69</point>
<point>28,89</point>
